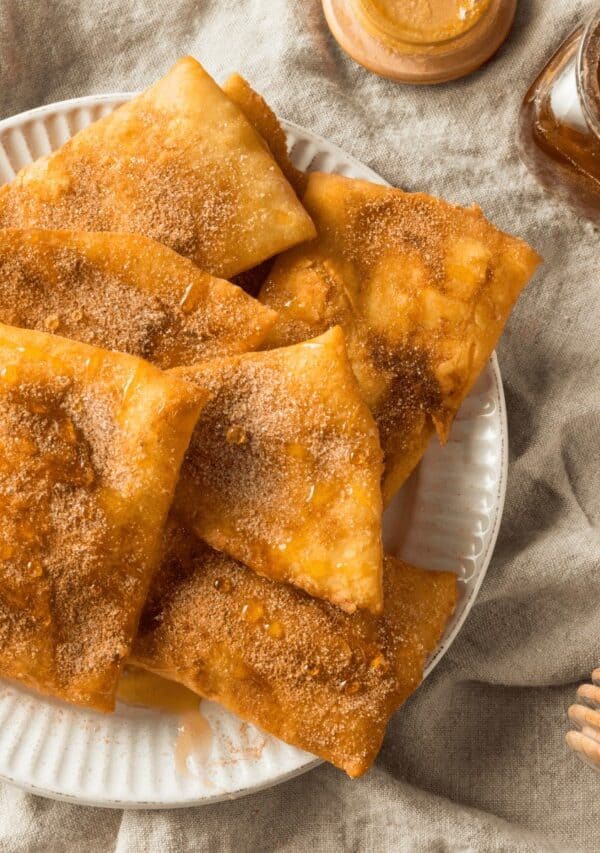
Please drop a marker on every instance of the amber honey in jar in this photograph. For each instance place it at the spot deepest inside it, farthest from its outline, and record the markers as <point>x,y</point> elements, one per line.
<point>559,126</point>
<point>412,41</point>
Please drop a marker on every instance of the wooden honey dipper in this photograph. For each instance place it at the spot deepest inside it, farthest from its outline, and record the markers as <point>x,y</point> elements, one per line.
<point>585,740</point>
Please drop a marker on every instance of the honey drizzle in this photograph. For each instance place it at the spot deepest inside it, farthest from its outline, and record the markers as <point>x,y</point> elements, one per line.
<point>194,741</point>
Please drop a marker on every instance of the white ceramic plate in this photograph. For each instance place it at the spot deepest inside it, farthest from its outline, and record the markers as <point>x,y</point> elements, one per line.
<point>446,517</point>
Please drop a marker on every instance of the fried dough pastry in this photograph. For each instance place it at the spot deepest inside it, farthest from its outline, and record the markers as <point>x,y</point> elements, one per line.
<point>265,122</point>
<point>179,163</point>
<point>124,292</point>
<point>90,447</point>
<point>301,669</point>
<point>422,289</point>
<point>284,467</point>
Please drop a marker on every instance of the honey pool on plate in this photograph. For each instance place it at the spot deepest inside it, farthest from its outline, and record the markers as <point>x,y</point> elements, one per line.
<point>194,739</point>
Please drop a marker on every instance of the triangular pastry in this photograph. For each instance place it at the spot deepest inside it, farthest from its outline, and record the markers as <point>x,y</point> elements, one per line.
<point>283,470</point>
<point>299,668</point>
<point>422,289</point>
<point>265,122</point>
<point>90,447</point>
<point>179,163</point>
<point>124,292</point>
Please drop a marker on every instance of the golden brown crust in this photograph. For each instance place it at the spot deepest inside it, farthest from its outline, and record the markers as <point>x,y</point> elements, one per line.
<point>265,122</point>
<point>422,290</point>
<point>299,668</point>
<point>124,292</point>
<point>90,447</point>
<point>283,470</point>
<point>179,163</point>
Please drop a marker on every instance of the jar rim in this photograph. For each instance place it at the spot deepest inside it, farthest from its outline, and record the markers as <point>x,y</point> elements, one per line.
<point>588,72</point>
<point>425,63</point>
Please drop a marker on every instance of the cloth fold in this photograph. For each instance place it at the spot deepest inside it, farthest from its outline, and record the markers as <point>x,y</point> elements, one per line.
<point>476,760</point>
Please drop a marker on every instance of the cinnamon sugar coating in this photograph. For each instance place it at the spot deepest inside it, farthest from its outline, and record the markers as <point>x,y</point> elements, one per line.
<point>303,670</point>
<point>179,163</point>
<point>283,470</point>
<point>90,447</point>
<point>422,289</point>
<point>124,292</point>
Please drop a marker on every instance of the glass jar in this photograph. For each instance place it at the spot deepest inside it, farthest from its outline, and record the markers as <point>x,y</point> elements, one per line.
<point>559,124</point>
<point>415,42</point>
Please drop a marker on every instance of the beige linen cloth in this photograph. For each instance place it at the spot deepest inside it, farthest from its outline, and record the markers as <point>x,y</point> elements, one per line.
<point>476,760</point>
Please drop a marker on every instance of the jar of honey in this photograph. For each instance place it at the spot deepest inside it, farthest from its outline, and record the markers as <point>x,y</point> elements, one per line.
<point>412,41</point>
<point>559,125</point>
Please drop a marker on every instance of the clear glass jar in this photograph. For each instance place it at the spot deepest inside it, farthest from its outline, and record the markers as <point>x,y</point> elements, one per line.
<point>415,42</point>
<point>559,124</point>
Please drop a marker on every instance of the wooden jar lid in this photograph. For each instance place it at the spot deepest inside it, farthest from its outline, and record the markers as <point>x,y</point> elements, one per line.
<point>403,42</point>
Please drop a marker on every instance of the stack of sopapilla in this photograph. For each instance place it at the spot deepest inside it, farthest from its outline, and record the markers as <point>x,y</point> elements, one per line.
<point>192,479</point>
